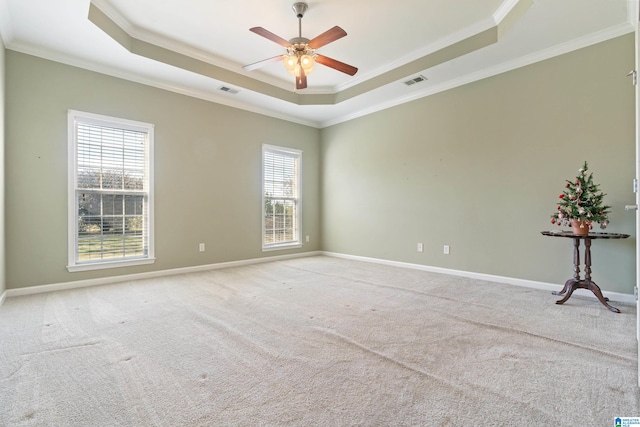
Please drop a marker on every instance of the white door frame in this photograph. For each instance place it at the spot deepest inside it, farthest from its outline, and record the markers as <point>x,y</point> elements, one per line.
<point>635,13</point>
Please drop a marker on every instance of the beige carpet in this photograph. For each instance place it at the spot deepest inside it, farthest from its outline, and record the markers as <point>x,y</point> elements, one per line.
<point>315,341</point>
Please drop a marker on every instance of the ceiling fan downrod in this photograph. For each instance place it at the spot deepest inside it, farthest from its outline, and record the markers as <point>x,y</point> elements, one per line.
<point>299,9</point>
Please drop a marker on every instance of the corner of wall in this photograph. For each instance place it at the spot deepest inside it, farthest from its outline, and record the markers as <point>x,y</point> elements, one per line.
<point>3,285</point>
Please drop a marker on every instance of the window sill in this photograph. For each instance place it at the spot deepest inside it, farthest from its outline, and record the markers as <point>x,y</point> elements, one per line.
<point>109,264</point>
<point>281,247</point>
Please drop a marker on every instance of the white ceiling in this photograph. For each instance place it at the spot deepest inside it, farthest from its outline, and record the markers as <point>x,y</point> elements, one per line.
<point>383,37</point>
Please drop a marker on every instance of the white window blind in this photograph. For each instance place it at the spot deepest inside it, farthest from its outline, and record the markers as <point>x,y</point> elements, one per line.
<point>281,196</point>
<point>110,183</point>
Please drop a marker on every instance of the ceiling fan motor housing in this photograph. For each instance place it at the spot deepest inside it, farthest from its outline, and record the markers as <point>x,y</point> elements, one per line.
<point>300,43</point>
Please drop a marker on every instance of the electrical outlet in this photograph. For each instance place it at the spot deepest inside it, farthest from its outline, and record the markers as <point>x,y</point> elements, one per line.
<point>201,247</point>
<point>420,247</point>
<point>306,239</point>
<point>446,249</point>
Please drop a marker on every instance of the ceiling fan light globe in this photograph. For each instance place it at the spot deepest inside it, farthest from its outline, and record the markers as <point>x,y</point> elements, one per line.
<point>290,63</point>
<point>307,62</point>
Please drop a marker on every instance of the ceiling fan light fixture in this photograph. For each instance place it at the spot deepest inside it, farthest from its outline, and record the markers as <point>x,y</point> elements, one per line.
<point>295,62</point>
<point>307,62</point>
<point>290,63</point>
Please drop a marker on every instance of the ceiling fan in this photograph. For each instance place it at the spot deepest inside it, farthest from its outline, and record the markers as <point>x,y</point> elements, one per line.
<point>301,53</point>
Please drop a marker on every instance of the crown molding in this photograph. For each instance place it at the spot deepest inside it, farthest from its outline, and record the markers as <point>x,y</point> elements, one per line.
<point>6,29</point>
<point>228,100</point>
<point>633,9</point>
<point>221,98</point>
<point>436,46</point>
<point>582,42</point>
<point>184,49</point>
<point>576,44</point>
<point>179,47</point>
<point>113,23</point>
<point>504,9</point>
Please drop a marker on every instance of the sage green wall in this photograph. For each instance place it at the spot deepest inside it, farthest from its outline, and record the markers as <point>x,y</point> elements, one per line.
<point>2,172</point>
<point>207,171</point>
<point>480,168</point>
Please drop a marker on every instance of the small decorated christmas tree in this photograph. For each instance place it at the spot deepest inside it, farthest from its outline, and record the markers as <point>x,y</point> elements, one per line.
<point>581,201</point>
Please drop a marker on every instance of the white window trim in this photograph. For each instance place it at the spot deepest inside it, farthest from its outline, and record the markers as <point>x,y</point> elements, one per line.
<point>72,225</point>
<point>298,242</point>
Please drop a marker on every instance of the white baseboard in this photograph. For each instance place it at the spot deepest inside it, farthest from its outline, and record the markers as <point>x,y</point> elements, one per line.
<point>148,275</point>
<point>613,296</point>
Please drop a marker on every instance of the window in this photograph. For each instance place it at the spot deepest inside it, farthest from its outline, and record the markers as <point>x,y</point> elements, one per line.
<point>110,192</point>
<point>281,197</point>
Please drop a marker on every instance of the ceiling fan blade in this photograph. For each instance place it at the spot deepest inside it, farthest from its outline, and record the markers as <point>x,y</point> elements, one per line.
<point>336,65</point>
<point>327,37</point>
<point>269,35</point>
<point>301,82</point>
<point>262,63</point>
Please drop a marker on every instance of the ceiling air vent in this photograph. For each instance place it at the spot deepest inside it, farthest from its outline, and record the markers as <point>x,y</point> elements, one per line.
<point>415,80</point>
<point>228,90</point>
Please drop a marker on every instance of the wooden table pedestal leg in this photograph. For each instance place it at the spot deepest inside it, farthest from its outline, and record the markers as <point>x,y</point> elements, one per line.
<point>568,285</point>
<point>576,283</point>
